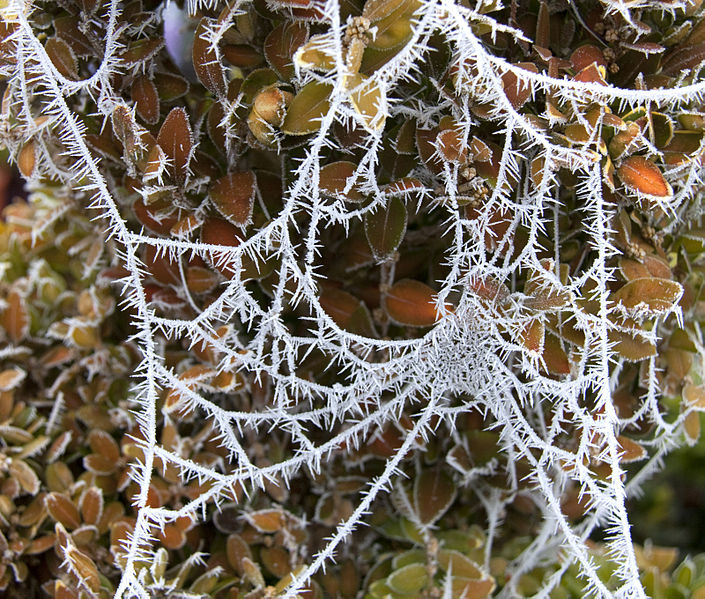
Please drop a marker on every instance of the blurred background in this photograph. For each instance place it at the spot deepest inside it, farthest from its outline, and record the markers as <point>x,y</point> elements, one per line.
<point>671,511</point>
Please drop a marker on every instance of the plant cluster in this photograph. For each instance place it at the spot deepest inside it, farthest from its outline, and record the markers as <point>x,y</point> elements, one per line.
<point>365,298</point>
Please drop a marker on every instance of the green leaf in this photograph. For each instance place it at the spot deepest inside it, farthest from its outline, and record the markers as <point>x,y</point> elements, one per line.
<point>170,87</point>
<point>460,565</point>
<point>256,81</point>
<point>408,579</point>
<point>693,121</point>
<point>554,356</point>
<point>393,21</point>
<point>368,100</point>
<point>413,556</point>
<point>662,129</point>
<point>379,590</point>
<point>307,109</point>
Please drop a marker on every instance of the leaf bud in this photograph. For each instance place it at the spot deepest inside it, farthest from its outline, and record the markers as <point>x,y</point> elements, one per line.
<point>270,105</point>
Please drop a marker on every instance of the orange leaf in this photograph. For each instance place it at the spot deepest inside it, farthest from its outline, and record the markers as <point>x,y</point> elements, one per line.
<point>517,90</point>
<point>532,337</point>
<point>475,589</point>
<point>692,427</point>
<point>631,345</point>
<point>694,396</point>
<point>62,509</point>
<point>339,305</point>
<point>585,55</point>
<point>412,303</point>
<point>631,450</point>
<point>236,549</point>
<point>281,44</point>
<point>554,356</point>
<point>267,520</point>
<point>334,177</point>
<point>451,147</point>
<point>242,55</point>
<point>84,566</point>
<point>649,292</point>
<point>276,560</point>
<point>20,471</point>
<point>172,537</point>
<point>593,73</point>
<point>15,319</point>
<point>200,280</point>
<point>643,176</point>
<point>92,505</point>
<point>102,443</point>
<point>63,57</point>
<point>11,378</point>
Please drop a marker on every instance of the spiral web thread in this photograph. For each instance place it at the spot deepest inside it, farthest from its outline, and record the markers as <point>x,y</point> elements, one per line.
<point>463,355</point>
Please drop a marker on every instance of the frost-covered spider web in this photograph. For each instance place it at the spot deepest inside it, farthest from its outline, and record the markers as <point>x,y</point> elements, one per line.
<point>477,357</point>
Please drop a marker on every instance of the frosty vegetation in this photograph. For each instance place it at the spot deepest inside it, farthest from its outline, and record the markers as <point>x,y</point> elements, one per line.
<point>417,240</point>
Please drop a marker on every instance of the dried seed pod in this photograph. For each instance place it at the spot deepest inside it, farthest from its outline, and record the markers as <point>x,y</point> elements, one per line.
<point>27,159</point>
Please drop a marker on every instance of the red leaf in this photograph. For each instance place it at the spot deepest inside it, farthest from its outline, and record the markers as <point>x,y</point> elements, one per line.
<point>144,95</point>
<point>177,142</point>
<point>584,56</point>
<point>205,62</point>
<point>234,196</point>
<point>280,45</point>
<point>220,232</point>
<point>517,90</point>
<point>434,491</point>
